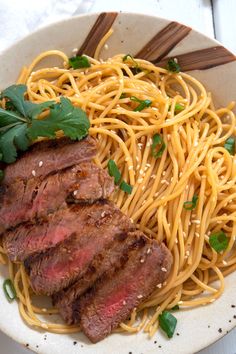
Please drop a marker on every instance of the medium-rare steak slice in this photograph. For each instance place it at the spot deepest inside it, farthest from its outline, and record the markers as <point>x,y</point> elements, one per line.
<point>115,256</point>
<point>62,265</point>
<point>115,296</point>
<point>26,200</point>
<point>50,156</point>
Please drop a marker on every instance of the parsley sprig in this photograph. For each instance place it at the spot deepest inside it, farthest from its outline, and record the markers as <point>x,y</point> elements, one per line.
<point>20,125</point>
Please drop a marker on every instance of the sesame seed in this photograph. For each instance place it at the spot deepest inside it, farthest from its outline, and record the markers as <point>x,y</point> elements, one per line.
<point>163,269</point>
<point>168,137</point>
<point>196,221</point>
<point>180,174</point>
<point>153,176</point>
<point>130,167</point>
<point>163,173</point>
<point>103,214</point>
<point>197,234</point>
<point>127,159</point>
<point>144,202</point>
<point>137,158</point>
<point>184,233</point>
<point>141,260</point>
<point>75,50</point>
<point>148,164</point>
<point>140,145</point>
<point>175,60</point>
<point>40,163</point>
<point>44,310</point>
<point>132,220</point>
<point>219,221</point>
<point>140,296</point>
<point>148,250</point>
<point>148,144</point>
<point>224,262</point>
<point>176,241</point>
<point>124,302</point>
<point>187,253</point>
<point>141,172</point>
<point>140,180</point>
<point>212,300</point>
<point>180,302</point>
<point>159,286</point>
<point>33,173</point>
<point>106,46</point>
<point>75,192</point>
<point>143,187</point>
<point>138,167</point>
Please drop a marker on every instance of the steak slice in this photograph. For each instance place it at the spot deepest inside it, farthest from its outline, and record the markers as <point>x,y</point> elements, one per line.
<point>50,156</point>
<point>115,256</point>
<point>26,200</point>
<point>116,295</point>
<point>62,265</point>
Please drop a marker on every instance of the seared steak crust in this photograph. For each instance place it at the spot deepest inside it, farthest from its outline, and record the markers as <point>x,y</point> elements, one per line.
<point>36,198</point>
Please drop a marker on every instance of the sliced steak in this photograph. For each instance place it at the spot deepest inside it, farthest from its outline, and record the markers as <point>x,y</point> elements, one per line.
<point>116,295</point>
<point>116,256</point>
<point>50,156</point>
<point>62,265</point>
<point>25,200</point>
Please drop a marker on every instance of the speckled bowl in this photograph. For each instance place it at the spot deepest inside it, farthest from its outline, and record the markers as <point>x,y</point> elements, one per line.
<point>216,68</point>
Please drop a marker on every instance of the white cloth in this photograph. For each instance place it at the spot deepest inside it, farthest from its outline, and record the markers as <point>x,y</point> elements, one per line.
<point>21,17</point>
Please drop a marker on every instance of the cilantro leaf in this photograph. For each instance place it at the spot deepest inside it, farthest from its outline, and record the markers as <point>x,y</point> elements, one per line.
<point>15,94</point>
<point>13,139</point>
<point>63,116</point>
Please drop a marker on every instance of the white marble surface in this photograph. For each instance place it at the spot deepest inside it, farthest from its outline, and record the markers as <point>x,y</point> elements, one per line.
<point>214,18</point>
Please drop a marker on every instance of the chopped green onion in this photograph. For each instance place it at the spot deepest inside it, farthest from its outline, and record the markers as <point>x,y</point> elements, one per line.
<point>136,66</point>
<point>9,290</point>
<point>127,188</point>
<point>179,107</point>
<point>142,103</point>
<point>168,323</point>
<point>230,145</point>
<point>123,95</point>
<point>218,241</point>
<point>175,308</point>
<point>1,175</point>
<point>79,62</point>
<point>190,205</point>
<point>157,141</point>
<point>173,66</point>
<point>114,171</point>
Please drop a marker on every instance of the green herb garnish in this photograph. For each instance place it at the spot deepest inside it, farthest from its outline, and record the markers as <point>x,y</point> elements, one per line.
<point>173,66</point>
<point>114,171</point>
<point>9,290</point>
<point>127,188</point>
<point>158,146</point>
<point>136,66</point>
<point>218,241</point>
<point>142,103</point>
<point>190,205</point>
<point>168,323</point>
<point>79,62</point>
<point>179,107</point>
<point>230,145</point>
<point>20,127</point>
<point>123,95</point>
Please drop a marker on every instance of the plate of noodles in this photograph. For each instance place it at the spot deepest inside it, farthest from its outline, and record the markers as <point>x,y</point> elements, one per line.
<point>160,100</point>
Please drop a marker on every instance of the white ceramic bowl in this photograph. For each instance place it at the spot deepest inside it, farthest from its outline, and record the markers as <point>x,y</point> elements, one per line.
<point>199,327</point>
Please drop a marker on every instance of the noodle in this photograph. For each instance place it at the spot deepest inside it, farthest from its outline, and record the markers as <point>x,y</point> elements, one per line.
<point>194,162</point>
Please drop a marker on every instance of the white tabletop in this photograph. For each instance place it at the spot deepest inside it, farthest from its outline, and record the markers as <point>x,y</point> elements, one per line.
<point>215,18</point>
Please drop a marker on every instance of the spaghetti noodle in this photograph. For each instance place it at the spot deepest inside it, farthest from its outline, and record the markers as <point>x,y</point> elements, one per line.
<point>194,163</point>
